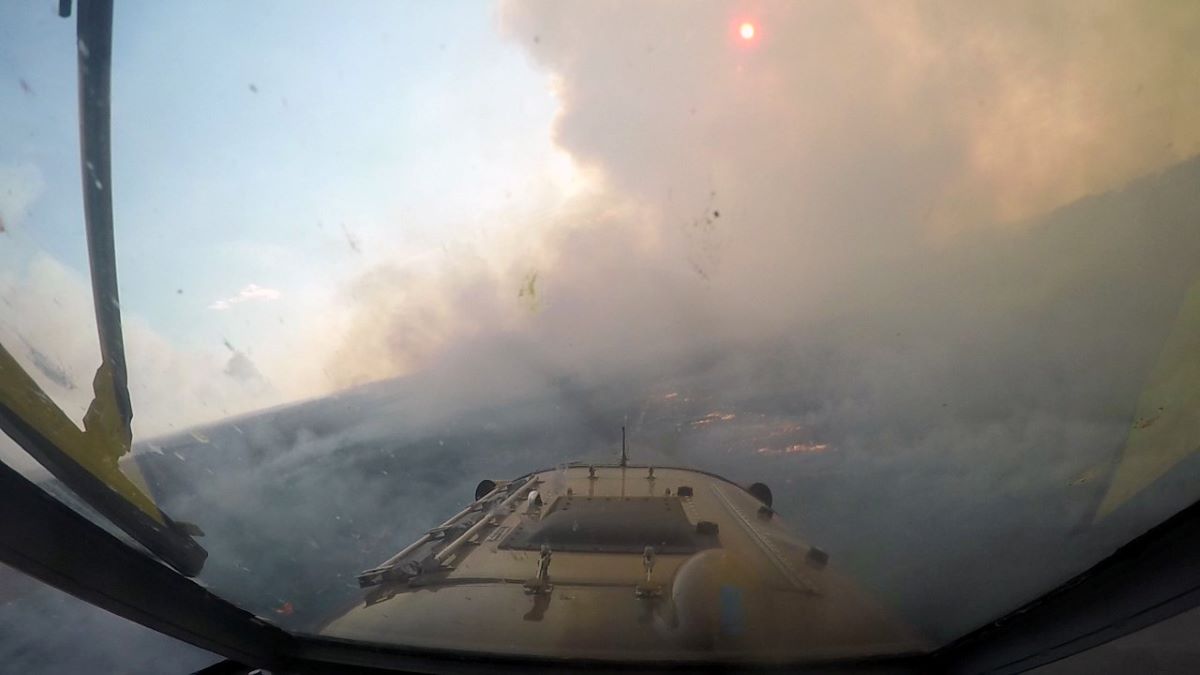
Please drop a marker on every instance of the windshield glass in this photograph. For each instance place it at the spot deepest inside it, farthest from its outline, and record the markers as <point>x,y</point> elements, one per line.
<point>930,273</point>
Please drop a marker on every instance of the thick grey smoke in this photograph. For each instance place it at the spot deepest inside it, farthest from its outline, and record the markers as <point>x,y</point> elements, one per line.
<point>949,434</point>
<point>944,246</point>
<point>752,189</point>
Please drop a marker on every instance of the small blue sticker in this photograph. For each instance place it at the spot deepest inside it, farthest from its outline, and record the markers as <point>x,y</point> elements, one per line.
<point>733,612</point>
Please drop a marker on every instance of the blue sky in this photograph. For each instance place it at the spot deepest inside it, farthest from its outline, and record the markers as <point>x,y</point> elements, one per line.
<point>265,155</point>
<point>253,143</point>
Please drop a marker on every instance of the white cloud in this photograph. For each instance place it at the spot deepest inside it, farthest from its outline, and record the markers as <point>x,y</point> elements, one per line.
<point>252,292</point>
<point>46,310</point>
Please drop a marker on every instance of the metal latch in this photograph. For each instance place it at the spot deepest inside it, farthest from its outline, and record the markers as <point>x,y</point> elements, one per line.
<point>648,589</point>
<point>540,583</point>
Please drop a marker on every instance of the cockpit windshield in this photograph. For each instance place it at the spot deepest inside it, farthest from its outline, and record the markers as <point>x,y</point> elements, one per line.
<point>282,282</point>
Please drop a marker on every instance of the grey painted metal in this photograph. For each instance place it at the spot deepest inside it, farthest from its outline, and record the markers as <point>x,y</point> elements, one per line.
<point>94,28</point>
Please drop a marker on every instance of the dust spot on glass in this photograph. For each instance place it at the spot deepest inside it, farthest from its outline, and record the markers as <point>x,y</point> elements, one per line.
<point>350,239</point>
<point>253,88</point>
<point>528,292</point>
<point>1145,422</point>
<point>702,245</point>
<point>25,86</point>
<point>1083,478</point>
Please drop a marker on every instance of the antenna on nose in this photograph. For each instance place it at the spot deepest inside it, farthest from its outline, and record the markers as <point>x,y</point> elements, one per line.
<point>624,457</point>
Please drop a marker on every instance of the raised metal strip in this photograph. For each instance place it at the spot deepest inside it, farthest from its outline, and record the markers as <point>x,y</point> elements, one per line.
<point>447,582</point>
<point>689,509</point>
<point>773,553</point>
<point>498,533</point>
